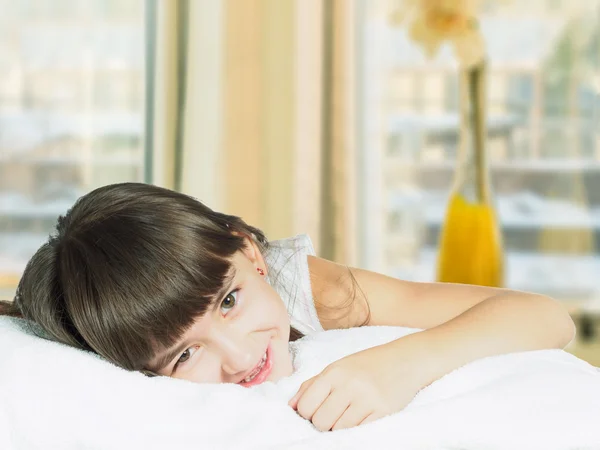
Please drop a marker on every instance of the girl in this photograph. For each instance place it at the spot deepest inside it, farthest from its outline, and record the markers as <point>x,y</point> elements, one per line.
<point>153,280</point>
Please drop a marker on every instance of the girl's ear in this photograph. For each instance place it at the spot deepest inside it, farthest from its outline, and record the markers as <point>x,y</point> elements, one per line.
<point>254,254</point>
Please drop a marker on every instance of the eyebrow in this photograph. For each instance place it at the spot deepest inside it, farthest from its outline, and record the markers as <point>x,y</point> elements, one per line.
<point>164,360</point>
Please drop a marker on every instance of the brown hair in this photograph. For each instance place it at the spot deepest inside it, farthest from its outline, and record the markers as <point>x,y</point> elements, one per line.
<point>127,271</point>
<point>9,309</point>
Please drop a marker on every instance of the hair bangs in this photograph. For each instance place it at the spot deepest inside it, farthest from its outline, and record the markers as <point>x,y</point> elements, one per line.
<point>129,319</point>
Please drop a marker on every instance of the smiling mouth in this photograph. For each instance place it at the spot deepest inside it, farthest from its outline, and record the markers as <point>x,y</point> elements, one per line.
<point>257,370</point>
<point>260,372</point>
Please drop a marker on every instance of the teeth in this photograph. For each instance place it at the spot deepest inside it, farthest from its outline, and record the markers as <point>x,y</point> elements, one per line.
<point>250,377</point>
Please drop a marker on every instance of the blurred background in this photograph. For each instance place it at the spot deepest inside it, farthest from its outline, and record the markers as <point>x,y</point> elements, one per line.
<point>309,116</point>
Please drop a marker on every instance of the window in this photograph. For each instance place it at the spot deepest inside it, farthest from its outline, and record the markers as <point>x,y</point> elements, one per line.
<point>543,138</point>
<point>71,113</point>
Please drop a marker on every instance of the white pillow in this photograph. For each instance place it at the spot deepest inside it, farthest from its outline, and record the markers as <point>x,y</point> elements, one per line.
<point>56,397</point>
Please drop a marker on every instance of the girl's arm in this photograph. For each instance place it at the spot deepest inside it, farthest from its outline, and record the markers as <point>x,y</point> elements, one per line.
<point>462,322</point>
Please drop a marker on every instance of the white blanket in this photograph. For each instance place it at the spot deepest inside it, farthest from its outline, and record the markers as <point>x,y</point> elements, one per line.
<point>55,397</point>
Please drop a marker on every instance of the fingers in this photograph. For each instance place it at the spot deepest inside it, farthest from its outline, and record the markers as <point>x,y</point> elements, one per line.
<point>353,416</point>
<point>371,418</point>
<point>312,397</point>
<point>303,387</point>
<point>335,408</point>
<point>330,410</point>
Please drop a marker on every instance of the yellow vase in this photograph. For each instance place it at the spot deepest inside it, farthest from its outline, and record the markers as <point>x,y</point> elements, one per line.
<point>470,247</point>
<point>470,244</point>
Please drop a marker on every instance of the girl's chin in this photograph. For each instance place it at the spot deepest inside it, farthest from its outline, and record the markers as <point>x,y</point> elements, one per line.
<point>283,368</point>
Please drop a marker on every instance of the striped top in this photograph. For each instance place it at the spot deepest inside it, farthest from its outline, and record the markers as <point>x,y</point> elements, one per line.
<point>288,274</point>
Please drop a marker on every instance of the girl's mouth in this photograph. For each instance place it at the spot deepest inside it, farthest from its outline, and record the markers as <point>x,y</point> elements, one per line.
<point>260,372</point>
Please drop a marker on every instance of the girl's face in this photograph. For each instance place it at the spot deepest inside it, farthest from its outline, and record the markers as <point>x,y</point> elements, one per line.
<point>243,339</point>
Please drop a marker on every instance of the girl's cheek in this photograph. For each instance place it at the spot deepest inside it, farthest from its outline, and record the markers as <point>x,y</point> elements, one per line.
<point>205,372</point>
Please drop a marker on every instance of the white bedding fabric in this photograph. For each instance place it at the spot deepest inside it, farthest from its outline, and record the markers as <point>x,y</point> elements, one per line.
<point>55,397</point>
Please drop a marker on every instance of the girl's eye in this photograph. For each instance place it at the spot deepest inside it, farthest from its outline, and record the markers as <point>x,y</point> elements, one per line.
<point>229,302</point>
<point>185,356</point>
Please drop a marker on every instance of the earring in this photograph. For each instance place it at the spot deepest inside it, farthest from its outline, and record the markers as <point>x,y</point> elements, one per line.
<point>260,271</point>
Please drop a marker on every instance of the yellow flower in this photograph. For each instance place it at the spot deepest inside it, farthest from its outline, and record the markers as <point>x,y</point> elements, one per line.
<point>437,21</point>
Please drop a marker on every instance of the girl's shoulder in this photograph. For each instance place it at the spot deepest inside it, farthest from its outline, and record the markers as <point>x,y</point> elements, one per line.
<point>288,258</point>
<point>320,293</point>
<point>288,273</point>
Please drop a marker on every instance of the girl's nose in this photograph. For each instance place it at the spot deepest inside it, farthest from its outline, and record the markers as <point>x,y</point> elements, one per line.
<point>237,356</point>
<point>238,362</point>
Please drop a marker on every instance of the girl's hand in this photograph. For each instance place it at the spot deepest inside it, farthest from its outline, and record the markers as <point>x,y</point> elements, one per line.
<point>361,387</point>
